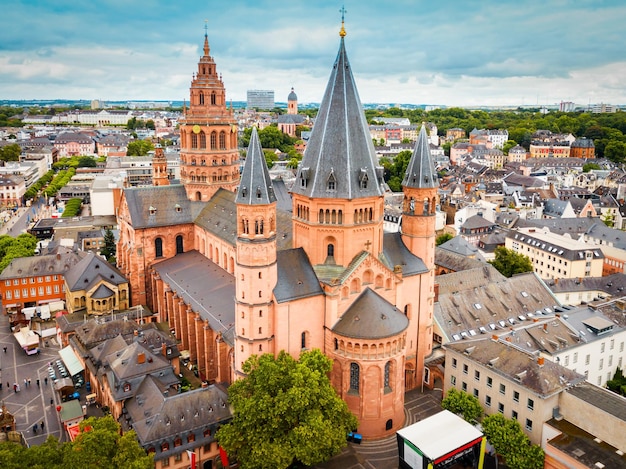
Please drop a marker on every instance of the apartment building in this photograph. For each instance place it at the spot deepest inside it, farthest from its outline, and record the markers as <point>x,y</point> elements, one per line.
<point>12,190</point>
<point>556,256</point>
<point>508,380</point>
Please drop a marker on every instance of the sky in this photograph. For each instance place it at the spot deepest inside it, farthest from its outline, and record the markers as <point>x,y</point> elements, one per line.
<point>438,52</point>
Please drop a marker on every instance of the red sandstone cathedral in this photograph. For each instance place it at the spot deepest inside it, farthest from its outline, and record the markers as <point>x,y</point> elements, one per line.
<point>238,265</point>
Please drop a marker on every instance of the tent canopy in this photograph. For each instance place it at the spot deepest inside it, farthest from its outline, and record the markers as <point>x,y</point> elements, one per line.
<point>71,361</point>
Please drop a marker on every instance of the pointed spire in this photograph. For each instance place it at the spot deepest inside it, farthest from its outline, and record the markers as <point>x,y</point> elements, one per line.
<point>206,37</point>
<point>340,142</point>
<point>255,187</point>
<point>420,172</point>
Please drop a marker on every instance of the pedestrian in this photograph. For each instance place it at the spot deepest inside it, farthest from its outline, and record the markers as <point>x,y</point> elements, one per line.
<point>8,385</point>
<point>37,382</point>
<point>0,385</point>
<point>51,401</point>
<point>25,382</point>
<point>14,387</point>
<point>5,350</point>
<point>18,388</point>
<point>45,380</point>
<point>35,429</point>
<point>28,382</point>
<point>41,425</point>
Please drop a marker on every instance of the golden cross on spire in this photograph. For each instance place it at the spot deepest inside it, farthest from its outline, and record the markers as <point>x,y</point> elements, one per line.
<point>343,12</point>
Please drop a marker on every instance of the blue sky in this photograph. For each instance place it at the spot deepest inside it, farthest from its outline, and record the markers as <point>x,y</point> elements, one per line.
<point>450,52</point>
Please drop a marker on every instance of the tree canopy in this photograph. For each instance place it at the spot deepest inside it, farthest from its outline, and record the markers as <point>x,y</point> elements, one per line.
<point>284,412</point>
<point>10,248</point>
<point>99,445</point>
<point>139,148</point>
<point>270,137</point>
<point>10,152</point>
<point>511,443</point>
<point>463,404</point>
<point>443,238</point>
<point>509,262</point>
<point>109,250</point>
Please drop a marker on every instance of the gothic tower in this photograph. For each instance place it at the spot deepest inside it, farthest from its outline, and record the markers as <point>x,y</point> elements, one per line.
<point>159,168</point>
<point>255,271</point>
<point>209,158</point>
<point>292,103</point>
<point>337,197</point>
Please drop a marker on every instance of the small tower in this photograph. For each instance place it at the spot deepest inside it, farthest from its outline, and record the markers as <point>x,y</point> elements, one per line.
<point>255,272</point>
<point>292,103</point>
<point>209,157</point>
<point>159,168</point>
<point>420,200</point>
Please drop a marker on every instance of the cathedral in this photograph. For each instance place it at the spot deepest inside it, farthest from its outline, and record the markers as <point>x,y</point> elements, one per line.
<point>238,265</point>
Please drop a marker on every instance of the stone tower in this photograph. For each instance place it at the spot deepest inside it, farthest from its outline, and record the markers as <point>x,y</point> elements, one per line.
<point>255,271</point>
<point>337,197</point>
<point>292,103</point>
<point>159,168</point>
<point>209,158</point>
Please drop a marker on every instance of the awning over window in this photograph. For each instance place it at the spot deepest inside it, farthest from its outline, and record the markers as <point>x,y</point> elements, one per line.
<point>72,363</point>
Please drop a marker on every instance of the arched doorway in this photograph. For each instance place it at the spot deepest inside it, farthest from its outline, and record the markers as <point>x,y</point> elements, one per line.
<point>179,244</point>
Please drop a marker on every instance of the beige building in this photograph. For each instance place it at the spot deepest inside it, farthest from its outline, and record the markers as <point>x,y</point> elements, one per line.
<point>556,256</point>
<point>508,380</point>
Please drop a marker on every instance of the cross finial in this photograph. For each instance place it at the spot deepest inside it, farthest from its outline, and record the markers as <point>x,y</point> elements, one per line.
<point>343,12</point>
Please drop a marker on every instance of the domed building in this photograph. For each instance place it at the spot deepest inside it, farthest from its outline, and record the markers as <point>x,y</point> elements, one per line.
<point>307,269</point>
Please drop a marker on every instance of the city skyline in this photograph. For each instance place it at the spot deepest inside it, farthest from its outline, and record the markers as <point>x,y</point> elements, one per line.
<point>485,53</point>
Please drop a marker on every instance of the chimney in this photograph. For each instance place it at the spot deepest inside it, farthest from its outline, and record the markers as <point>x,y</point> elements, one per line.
<point>494,337</point>
<point>141,358</point>
<point>163,349</point>
<point>556,281</point>
<point>545,327</point>
<point>540,361</point>
<point>205,384</point>
<point>436,288</point>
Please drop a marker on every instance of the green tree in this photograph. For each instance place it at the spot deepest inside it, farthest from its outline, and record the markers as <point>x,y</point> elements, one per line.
<point>615,151</point>
<point>139,148</point>
<point>10,152</point>
<point>508,145</point>
<point>509,262</point>
<point>86,162</point>
<point>72,208</point>
<point>150,124</point>
<point>109,250</point>
<point>285,411</point>
<point>589,166</point>
<point>511,443</point>
<point>10,248</point>
<point>461,403</point>
<point>443,238</point>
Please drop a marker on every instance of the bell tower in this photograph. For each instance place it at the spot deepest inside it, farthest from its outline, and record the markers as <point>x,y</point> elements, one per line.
<point>209,158</point>
<point>159,168</point>
<point>256,270</point>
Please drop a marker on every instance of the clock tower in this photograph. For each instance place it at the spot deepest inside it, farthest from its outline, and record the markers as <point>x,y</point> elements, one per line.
<point>209,158</point>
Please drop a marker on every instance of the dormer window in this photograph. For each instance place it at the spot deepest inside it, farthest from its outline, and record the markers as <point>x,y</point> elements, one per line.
<point>258,192</point>
<point>126,387</point>
<point>331,183</point>
<point>363,179</point>
<point>178,208</point>
<point>152,210</point>
<point>304,177</point>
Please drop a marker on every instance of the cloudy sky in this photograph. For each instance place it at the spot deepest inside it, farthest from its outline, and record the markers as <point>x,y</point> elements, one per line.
<point>449,52</point>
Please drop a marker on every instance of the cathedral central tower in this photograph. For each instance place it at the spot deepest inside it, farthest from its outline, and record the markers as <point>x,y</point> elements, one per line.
<point>209,158</point>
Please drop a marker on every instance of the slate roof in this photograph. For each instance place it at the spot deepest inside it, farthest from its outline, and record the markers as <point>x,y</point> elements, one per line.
<point>255,187</point>
<point>340,146</point>
<point>155,206</point>
<point>296,277</point>
<point>459,245</point>
<point>420,172</point>
<point>370,316</point>
<point>157,418</point>
<point>571,226</point>
<point>475,222</point>
<point>455,262</point>
<point>555,207</point>
<point>203,285</point>
<point>292,96</point>
<point>49,264</point>
<point>543,380</point>
<point>564,249</point>
<point>91,270</point>
<point>102,292</point>
<point>396,253</point>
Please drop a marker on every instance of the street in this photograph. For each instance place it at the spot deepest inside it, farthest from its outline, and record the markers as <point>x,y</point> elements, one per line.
<point>31,405</point>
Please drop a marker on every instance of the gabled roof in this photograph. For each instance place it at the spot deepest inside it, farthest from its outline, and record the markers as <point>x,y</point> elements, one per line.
<point>459,245</point>
<point>255,187</point>
<point>371,317</point>
<point>102,292</point>
<point>160,206</point>
<point>296,277</point>
<point>420,172</point>
<point>339,161</point>
<point>91,270</point>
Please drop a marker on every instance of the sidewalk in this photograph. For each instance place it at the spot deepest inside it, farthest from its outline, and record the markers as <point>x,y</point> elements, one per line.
<point>4,229</point>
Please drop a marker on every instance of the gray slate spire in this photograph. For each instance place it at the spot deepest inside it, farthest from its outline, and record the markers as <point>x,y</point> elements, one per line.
<point>339,161</point>
<point>255,187</point>
<point>420,173</point>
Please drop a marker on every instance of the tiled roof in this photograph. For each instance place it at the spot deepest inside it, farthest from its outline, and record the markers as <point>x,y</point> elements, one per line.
<point>420,172</point>
<point>91,270</point>
<point>296,277</point>
<point>156,206</point>
<point>255,187</point>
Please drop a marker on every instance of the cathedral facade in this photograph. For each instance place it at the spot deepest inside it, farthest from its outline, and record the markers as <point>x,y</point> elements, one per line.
<point>237,265</point>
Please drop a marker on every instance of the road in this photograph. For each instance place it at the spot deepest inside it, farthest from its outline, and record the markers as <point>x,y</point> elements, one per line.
<point>32,403</point>
<point>20,221</point>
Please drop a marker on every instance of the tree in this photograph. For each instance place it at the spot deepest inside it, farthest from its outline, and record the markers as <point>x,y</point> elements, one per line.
<point>508,145</point>
<point>72,207</point>
<point>285,411</point>
<point>443,238</point>
<point>10,152</point>
<point>589,166</point>
<point>511,443</point>
<point>139,148</point>
<point>10,248</point>
<point>109,250</point>
<point>461,403</point>
<point>509,262</point>
<point>150,124</point>
<point>99,445</point>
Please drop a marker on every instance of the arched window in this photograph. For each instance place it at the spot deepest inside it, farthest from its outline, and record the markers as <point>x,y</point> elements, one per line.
<point>387,373</point>
<point>223,143</point>
<point>213,140</point>
<point>179,244</point>
<point>198,195</point>
<point>330,250</point>
<point>194,140</point>
<point>202,140</point>
<point>201,97</point>
<point>213,99</point>
<point>354,377</point>
<point>158,247</point>
<point>303,340</point>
